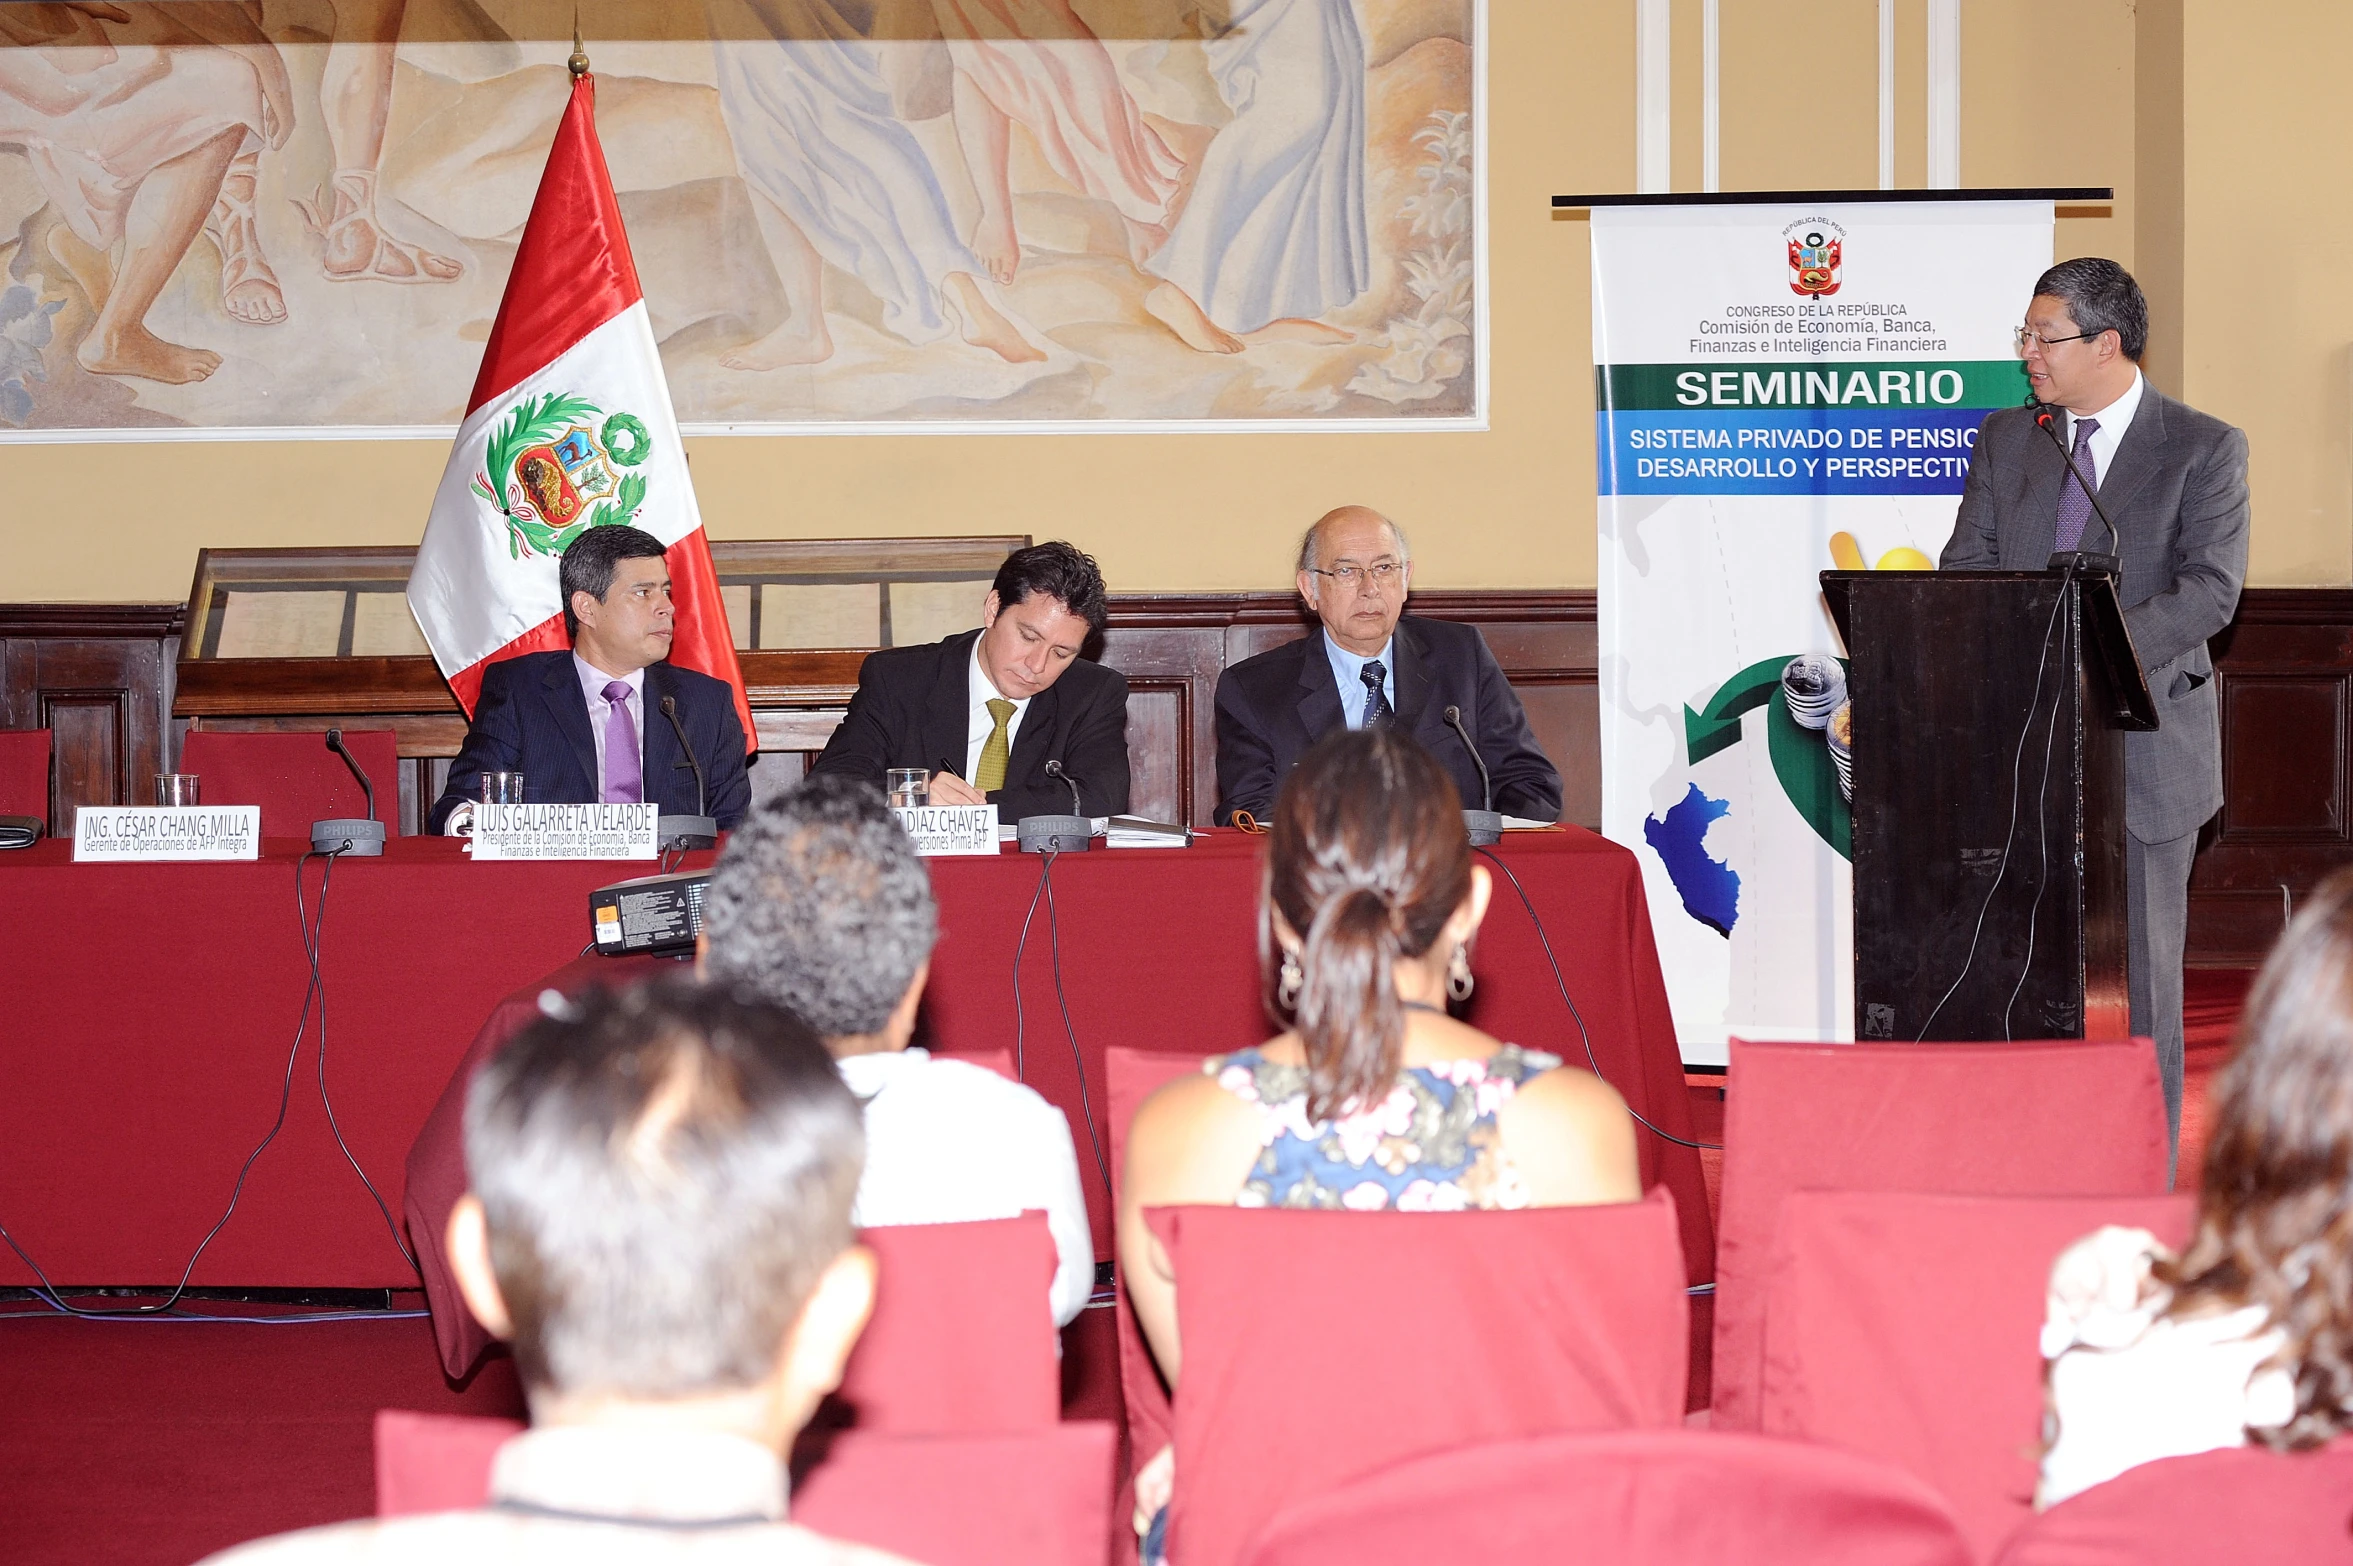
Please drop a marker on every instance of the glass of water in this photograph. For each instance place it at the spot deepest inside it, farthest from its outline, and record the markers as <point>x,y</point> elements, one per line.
<point>910,787</point>
<point>502,788</point>
<point>178,788</point>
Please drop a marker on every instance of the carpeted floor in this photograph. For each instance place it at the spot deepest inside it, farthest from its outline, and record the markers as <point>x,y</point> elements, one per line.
<point>155,1443</point>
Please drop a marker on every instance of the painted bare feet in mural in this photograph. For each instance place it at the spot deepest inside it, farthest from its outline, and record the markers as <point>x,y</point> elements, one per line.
<point>158,225</point>
<point>249,289</point>
<point>983,325</point>
<point>357,247</point>
<point>1295,329</point>
<point>1173,308</point>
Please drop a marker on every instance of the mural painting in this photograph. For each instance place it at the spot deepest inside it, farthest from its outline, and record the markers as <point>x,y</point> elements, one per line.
<point>299,214</point>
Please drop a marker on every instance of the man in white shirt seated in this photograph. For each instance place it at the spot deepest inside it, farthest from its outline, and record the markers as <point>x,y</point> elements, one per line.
<point>819,904</point>
<point>660,1222</point>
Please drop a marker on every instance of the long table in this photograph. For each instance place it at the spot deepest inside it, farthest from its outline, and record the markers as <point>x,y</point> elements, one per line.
<point>148,1013</point>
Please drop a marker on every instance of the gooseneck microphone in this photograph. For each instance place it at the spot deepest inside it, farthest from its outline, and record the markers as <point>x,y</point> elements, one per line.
<point>355,838</point>
<point>1057,834</point>
<point>1483,825</point>
<point>697,830</point>
<point>2046,420</point>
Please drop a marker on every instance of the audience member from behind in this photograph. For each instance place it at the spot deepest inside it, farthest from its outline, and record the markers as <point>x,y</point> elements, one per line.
<point>660,1222</point>
<point>2248,1335</point>
<point>819,905</point>
<point>1372,1097</point>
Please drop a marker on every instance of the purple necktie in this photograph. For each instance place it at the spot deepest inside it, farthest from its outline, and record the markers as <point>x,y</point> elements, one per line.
<point>624,772</point>
<point>2075,502</point>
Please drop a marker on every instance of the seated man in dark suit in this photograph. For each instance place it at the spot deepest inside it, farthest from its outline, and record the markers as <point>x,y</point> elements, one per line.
<point>986,711</point>
<point>1373,664</point>
<point>587,726</point>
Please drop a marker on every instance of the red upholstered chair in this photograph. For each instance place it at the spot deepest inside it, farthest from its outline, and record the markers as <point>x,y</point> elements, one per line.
<point>24,774</point>
<point>1028,1498</point>
<point>2214,1509</point>
<point>2047,1119</point>
<point>435,1462</point>
<point>1643,1497</point>
<point>1321,1345</point>
<point>962,1339</point>
<point>295,778</point>
<point>1131,1076</point>
<point>1905,1327</point>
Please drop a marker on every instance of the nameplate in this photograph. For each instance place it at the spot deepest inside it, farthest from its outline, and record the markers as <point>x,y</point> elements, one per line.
<point>950,829</point>
<point>162,834</point>
<point>566,831</point>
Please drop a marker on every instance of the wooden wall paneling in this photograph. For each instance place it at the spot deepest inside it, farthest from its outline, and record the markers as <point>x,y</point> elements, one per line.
<point>99,677</point>
<point>2284,676</point>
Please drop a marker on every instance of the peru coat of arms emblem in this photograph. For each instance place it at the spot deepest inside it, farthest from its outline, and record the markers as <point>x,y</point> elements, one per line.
<point>558,465</point>
<point>1815,253</point>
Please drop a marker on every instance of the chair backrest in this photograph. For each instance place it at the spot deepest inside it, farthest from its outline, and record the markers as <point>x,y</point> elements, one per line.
<point>2051,1119</point>
<point>1130,1077</point>
<point>1319,1345</point>
<point>962,1338</point>
<point>1027,1498</point>
<point>2214,1509</point>
<point>1906,1327</point>
<point>1023,1498</point>
<point>295,778</point>
<point>24,774</point>
<point>435,1462</point>
<point>1653,1497</point>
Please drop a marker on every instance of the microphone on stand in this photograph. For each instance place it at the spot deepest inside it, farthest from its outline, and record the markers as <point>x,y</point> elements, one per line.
<point>697,830</point>
<point>1483,825</point>
<point>1057,834</point>
<point>356,838</point>
<point>2078,560</point>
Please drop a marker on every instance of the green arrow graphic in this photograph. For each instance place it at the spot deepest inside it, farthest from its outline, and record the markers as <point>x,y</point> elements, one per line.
<point>1801,759</point>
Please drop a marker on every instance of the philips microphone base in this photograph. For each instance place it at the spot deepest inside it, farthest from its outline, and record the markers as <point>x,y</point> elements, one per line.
<point>352,837</point>
<point>687,832</point>
<point>1484,826</point>
<point>1054,834</point>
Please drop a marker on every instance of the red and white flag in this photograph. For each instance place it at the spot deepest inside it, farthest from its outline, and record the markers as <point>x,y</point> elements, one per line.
<point>570,427</point>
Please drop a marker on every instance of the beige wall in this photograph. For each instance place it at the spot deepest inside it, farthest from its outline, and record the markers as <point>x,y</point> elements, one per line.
<point>2052,95</point>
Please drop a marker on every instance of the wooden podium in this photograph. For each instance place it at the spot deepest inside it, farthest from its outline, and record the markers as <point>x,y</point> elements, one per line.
<point>1988,741</point>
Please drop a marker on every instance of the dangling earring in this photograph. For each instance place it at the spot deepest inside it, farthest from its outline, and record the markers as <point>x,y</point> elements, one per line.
<point>1459,982</point>
<point>1287,987</point>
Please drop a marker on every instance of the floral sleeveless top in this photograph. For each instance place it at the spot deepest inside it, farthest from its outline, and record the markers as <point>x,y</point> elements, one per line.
<point>1432,1145</point>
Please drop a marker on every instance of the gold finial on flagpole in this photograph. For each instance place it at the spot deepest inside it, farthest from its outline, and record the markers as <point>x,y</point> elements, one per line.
<point>578,64</point>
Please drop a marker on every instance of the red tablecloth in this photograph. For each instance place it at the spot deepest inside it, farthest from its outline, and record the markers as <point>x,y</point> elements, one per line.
<point>150,1010</point>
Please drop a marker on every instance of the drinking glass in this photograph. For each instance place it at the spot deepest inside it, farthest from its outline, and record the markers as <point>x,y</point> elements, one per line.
<point>502,788</point>
<point>177,788</point>
<point>909,787</point>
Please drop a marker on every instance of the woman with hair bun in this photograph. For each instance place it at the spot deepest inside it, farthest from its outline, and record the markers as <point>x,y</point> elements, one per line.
<point>1372,1097</point>
<point>2247,1336</point>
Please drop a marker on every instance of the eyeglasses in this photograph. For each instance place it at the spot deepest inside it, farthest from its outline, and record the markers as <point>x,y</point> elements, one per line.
<point>2027,335</point>
<point>1380,573</point>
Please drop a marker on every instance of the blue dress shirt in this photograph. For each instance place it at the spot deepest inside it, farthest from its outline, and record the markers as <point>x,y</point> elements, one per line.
<point>1348,674</point>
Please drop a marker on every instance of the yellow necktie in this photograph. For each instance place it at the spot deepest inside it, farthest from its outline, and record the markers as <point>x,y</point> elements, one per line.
<point>989,776</point>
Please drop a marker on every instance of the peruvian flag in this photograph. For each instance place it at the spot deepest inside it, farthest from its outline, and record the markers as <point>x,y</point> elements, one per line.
<point>570,427</point>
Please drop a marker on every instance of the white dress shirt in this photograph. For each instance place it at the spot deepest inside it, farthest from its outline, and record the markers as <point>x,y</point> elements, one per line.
<point>979,724</point>
<point>593,681</point>
<point>2114,419</point>
<point>951,1142</point>
<point>1348,674</point>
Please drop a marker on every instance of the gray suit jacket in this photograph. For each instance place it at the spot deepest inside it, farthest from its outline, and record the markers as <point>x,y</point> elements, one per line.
<point>2177,493</point>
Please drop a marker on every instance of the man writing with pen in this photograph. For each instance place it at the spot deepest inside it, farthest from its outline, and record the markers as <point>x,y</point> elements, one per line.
<point>1009,715</point>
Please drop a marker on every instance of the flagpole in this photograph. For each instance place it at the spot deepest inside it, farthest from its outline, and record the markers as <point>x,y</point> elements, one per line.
<point>578,63</point>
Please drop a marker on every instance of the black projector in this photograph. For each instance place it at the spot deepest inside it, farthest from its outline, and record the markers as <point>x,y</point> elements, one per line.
<point>652,916</point>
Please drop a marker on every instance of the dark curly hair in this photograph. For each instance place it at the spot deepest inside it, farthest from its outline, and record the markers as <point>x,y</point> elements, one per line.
<point>1060,571</point>
<point>1366,861</point>
<point>2275,1216</point>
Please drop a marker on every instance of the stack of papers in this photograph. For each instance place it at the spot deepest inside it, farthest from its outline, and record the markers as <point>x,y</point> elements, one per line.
<point>1136,832</point>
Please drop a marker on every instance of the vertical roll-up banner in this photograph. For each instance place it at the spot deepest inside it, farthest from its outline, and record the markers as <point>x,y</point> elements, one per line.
<point>1782,388</point>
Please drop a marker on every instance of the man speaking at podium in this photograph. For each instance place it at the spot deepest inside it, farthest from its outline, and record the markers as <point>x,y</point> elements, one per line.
<point>1374,664</point>
<point>2173,481</point>
<point>587,726</point>
<point>1009,715</point>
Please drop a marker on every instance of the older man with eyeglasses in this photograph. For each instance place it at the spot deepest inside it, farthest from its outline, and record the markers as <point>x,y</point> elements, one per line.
<point>2172,485</point>
<point>1374,664</point>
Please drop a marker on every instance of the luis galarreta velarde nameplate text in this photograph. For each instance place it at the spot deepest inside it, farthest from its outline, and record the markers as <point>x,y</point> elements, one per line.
<point>950,829</point>
<point>128,834</point>
<point>566,831</point>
